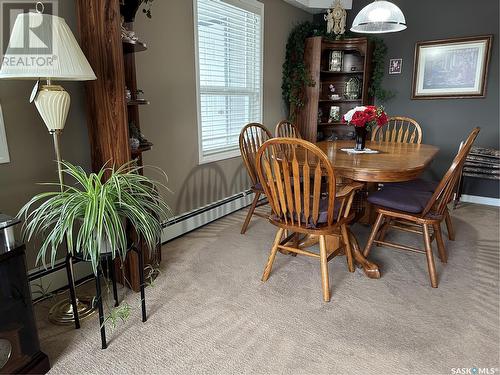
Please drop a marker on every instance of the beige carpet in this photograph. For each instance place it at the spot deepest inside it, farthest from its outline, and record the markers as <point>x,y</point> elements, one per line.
<point>210,313</point>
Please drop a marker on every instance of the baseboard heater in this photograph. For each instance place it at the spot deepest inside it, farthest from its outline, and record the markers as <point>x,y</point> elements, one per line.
<point>189,221</point>
<point>54,280</point>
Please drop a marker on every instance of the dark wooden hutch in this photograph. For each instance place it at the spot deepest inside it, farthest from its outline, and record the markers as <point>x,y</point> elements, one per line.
<point>312,118</point>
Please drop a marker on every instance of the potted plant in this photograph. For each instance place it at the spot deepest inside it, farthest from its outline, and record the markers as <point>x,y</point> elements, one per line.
<point>90,214</point>
<point>363,118</point>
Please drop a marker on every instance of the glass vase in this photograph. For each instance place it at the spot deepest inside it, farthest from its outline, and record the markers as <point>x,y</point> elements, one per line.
<point>360,138</point>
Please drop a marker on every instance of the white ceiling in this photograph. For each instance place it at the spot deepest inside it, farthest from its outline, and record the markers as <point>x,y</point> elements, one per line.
<point>317,6</point>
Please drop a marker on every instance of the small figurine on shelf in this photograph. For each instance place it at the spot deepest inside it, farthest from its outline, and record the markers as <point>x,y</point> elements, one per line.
<point>336,19</point>
<point>139,95</point>
<point>333,95</point>
<point>136,138</point>
<point>128,94</point>
<point>128,36</point>
<point>328,17</point>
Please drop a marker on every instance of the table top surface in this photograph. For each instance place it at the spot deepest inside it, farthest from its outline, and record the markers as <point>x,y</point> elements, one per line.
<point>394,162</point>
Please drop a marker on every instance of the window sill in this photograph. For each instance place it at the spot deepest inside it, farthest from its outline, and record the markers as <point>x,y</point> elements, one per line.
<point>219,156</point>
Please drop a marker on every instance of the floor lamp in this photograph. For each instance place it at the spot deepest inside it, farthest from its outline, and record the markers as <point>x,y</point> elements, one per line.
<point>42,47</point>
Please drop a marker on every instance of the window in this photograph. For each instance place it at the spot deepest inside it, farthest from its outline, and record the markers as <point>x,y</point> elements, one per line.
<point>228,37</point>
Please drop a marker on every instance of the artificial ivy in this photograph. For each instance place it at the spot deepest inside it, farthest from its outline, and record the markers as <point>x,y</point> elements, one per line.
<point>296,76</point>
<point>378,61</point>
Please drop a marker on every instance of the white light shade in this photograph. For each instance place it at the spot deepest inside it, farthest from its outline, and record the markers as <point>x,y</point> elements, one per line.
<point>379,17</point>
<point>53,106</point>
<point>43,46</point>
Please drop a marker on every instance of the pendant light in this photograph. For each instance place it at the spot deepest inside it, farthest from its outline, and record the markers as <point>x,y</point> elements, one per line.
<point>379,17</point>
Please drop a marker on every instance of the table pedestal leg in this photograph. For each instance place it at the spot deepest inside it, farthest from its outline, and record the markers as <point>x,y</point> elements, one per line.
<point>370,269</point>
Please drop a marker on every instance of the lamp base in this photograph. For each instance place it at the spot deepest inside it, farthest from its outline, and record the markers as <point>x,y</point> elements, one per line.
<point>53,102</point>
<point>62,312</point>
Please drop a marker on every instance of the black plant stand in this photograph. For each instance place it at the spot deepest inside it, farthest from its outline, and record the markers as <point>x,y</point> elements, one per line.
<point>112,276</point>
<point>72,291</point>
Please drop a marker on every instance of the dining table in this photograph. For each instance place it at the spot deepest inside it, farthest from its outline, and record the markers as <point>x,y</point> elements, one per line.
<point>392,162</point>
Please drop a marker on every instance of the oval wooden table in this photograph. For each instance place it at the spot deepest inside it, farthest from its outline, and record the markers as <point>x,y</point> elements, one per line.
<point>394,162</point>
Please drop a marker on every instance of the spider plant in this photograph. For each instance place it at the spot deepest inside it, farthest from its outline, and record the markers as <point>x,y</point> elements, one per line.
<point>90,214</point>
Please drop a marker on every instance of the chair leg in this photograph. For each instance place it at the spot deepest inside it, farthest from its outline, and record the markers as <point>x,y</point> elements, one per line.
<point>250,212</point>
<point>430,257</point>
<point>100,308</point>
<point>72,292</point>
<point>325,283</point>
<point>112,276</point>
<point>274,250</point>
<point>383,230</point>
<point>348,250</point>
<point>449,225</point>
<point>440,243</point>
<point>373,234</point>
<point>142,282</point>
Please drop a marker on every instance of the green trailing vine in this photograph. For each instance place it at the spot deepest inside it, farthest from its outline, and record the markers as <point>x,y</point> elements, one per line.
<point>378,61</point>
<point>296,76</point>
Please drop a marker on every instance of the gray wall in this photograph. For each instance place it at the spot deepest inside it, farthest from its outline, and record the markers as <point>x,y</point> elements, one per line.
<point>445,122</point>
<point>166,73</point>
<point>30,145</point>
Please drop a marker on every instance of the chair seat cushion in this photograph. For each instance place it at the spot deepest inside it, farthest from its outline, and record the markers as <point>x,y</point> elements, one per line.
<point>400,199</point>
<point>258,187</point>
<point>414,185</point>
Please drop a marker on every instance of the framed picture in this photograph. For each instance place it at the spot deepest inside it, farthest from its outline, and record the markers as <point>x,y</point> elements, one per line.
<point>395,66</point>
<point>451,68</point>
<point>4,151</point>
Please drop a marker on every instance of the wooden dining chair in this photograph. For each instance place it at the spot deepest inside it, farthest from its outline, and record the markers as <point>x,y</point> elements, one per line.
<point>286,129</point>
<point>252,136</point>
<point>420,209</point>
<point>293,182</point>
<point>398,129</point>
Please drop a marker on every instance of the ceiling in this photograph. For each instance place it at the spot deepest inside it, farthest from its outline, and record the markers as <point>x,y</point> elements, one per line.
<point>317,6</point>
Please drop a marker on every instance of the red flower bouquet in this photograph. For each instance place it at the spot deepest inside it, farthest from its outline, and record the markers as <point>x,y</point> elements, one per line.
<point>366,117</point>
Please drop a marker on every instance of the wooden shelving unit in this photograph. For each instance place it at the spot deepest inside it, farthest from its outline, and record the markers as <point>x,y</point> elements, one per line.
<point>137,102</point>
<point>108,111</point>
<point>133,46</point>
<point>357,53</point>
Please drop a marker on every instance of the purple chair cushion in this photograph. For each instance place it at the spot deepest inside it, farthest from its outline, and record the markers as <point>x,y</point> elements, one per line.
<point>257,186</point>
<point>400,199</point>
<point>414,185</point>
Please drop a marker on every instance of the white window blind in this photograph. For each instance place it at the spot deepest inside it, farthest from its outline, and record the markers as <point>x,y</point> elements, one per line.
<point>229,63</point>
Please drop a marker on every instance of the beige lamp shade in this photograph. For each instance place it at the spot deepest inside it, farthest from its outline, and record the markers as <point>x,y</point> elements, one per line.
<point>43,46</point>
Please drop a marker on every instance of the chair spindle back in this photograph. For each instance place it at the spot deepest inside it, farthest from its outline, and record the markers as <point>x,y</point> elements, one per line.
<point>444,191</point>
<point>252,136</point>
<point>399,129</point>
<point>293,180</point>
<point>286,129</point>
